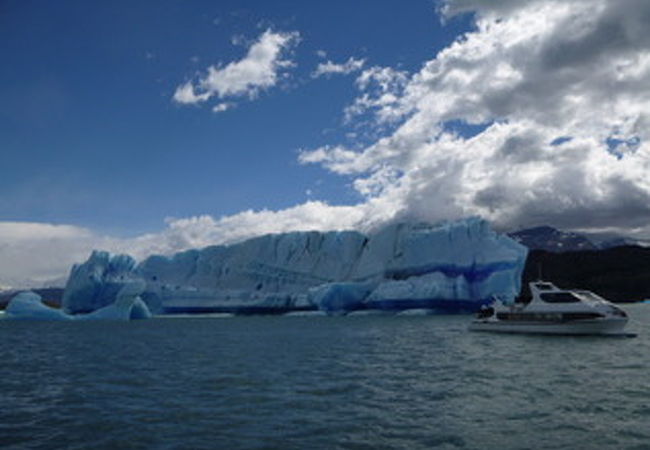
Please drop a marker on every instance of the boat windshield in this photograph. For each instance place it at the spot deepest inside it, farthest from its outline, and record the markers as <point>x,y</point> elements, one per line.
<point>559,297</point>
<point>589,296</point>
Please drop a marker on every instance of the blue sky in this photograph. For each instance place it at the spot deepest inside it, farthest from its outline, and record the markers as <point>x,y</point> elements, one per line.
<point>154,127</point>
<point>90,135</point>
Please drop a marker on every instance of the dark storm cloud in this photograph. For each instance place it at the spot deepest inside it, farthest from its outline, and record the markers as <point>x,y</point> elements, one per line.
<point>500,7</point>
<point>621,27</point>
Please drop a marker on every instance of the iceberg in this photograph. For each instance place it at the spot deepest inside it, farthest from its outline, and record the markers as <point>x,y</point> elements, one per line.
<point>27,305</point>
<point>96,283</point>
<point>450,267</point>
<point>340,297</point>
<point>127,306</point>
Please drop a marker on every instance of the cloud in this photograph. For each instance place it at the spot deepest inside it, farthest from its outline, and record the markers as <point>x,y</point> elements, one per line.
<point>381,88</point>
<point>186,95</point>
<point>557,94</point>
<point>496,8</point>
<point>531,72</point>
<point>221,107</point>
<point>259,70</point>
<point>329,68</point>
<point>205,230</point>
<point>32,254</point>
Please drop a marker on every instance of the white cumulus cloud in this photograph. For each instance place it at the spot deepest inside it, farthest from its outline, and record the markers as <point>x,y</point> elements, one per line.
<point>32,254</point>
<point>540,115</point>
<point>531,73</point>
<point>258,70</point>
<point>381,89</point>
<point>222,107</point>
<point>186,94</point>
<point>328,68</point>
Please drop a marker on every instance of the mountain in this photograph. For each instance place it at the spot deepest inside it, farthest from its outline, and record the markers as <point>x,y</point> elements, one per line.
<point>620,274</point>
<point>552,240</point>
<point>622,242</point>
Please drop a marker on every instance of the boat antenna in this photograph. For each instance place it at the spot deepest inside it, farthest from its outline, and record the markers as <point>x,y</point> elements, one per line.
<point>539,271</point>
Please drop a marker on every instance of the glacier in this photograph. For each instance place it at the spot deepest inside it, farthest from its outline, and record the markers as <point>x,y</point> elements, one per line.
<point>447,268</point>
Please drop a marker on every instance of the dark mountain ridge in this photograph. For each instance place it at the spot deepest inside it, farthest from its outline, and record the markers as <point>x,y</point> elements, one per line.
<point>552,240</point>
<point>619,274</point>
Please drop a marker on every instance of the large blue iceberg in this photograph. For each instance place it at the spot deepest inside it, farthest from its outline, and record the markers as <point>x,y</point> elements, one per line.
<point>96,283</point>
<point>451,267</point>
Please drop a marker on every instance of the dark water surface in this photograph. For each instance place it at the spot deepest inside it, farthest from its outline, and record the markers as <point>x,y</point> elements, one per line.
<point>320,382</point>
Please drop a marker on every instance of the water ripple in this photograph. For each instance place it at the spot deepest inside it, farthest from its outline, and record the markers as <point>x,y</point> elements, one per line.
<point>318,382</point>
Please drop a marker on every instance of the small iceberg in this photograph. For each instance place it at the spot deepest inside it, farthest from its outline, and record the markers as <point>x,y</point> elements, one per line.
<point>417,312</point>
<point>370,312</point>
<point>316,313</point>
<point>195,316</point>
<point>28,306</point>
<point>127,306</point>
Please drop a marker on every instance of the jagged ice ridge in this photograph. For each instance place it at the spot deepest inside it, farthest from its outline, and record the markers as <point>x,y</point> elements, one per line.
<point>451,267</point>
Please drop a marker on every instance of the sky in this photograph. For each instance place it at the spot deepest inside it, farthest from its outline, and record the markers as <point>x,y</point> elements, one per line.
<point>153,127</point>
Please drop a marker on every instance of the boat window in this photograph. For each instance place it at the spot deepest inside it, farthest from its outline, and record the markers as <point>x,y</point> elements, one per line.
<point>559,297</point>
<point>486,311</point>
<point>544,286</point>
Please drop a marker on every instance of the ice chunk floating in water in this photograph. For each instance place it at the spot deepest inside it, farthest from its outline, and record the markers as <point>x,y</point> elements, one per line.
<point>127,306</point>
<point>28,305</point>
<point>451,267</point>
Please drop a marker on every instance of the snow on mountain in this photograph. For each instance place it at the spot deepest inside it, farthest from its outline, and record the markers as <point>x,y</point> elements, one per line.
<point>552,240</point>
<point>449,267</point>
<point>622,242</point>
<point>558,241</point>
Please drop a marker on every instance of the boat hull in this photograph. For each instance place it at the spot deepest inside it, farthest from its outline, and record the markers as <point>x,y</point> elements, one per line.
<point>609,326</point>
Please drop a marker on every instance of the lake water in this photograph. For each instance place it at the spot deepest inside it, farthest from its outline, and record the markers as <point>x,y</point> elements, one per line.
<point>320,382</point>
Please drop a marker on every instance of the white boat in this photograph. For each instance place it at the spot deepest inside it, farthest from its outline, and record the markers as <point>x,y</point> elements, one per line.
<point>552,310</point>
